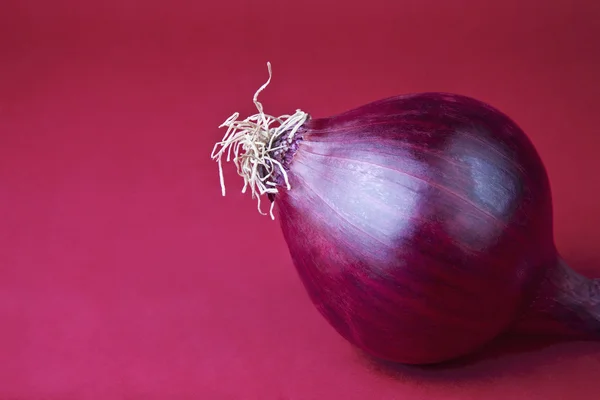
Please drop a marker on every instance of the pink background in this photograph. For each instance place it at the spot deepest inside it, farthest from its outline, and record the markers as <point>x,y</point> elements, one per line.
<point>123,272</point>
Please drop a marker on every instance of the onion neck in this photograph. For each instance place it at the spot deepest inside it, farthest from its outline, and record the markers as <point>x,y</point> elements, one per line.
<point>567,304</point>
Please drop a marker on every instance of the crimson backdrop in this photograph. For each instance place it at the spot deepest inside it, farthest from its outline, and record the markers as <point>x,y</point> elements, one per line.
<point>123,272</point>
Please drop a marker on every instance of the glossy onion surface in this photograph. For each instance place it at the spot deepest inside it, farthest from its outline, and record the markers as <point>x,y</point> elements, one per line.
<point>419,224</point>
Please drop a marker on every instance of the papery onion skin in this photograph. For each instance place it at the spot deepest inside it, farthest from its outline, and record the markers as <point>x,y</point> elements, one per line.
<point>420,225</point>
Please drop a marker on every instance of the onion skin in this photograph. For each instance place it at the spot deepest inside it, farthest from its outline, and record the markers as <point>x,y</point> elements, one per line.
<point>421,228</point>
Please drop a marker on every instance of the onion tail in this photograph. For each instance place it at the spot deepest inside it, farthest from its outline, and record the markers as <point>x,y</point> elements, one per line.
<point>567,304</point>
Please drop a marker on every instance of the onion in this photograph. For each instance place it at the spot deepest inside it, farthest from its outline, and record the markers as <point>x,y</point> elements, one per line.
<point>420,225</point>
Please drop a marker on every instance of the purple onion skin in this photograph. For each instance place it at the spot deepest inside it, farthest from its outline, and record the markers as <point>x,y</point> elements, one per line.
<point>421,227</point>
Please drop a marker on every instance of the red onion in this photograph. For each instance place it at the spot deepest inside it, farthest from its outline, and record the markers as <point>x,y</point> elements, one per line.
<point>420,225</point>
